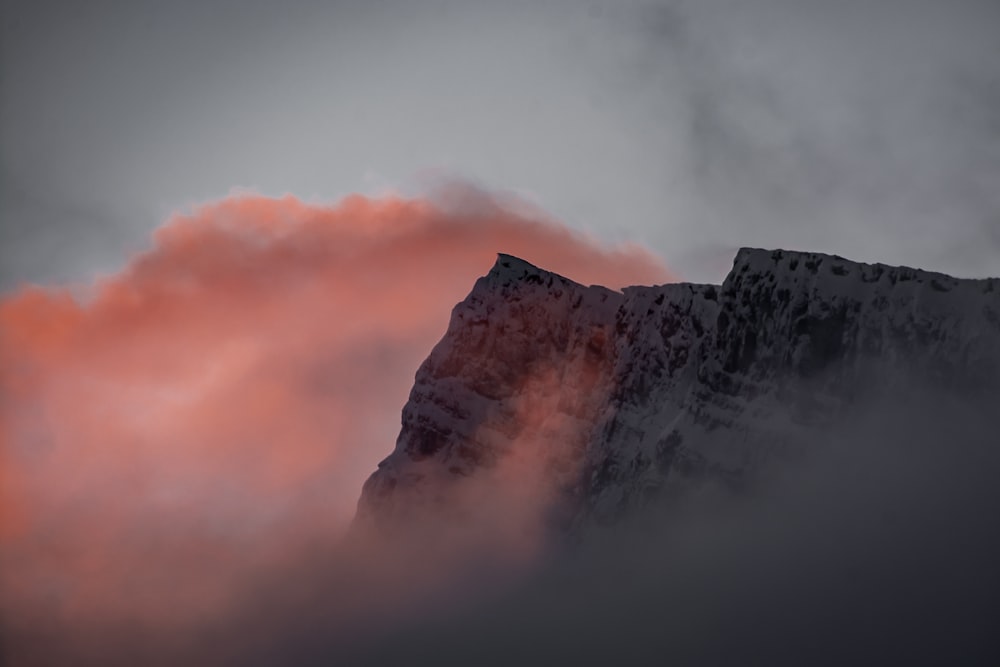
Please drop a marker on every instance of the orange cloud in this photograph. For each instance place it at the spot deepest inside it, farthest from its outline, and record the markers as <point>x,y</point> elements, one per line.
<point>177,426</point>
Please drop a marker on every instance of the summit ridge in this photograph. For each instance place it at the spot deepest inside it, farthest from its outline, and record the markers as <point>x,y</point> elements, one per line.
<point>653,389</point>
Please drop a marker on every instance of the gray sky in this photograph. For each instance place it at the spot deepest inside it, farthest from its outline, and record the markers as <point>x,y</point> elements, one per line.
<point>867,129</point>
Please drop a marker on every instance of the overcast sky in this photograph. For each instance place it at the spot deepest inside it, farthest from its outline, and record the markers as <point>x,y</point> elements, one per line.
<point>867,129</point>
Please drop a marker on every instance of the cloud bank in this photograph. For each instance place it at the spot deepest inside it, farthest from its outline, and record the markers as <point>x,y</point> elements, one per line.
<point>204,418</point>
<point>878,545</point>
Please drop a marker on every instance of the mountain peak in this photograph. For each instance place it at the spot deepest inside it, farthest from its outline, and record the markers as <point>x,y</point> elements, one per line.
<point>511,263</point>
<point>656,386</point>
<point>790,261</point>
<point>510,269</point>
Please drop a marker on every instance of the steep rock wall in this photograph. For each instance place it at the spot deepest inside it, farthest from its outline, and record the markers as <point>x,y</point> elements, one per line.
<point>605,398</point>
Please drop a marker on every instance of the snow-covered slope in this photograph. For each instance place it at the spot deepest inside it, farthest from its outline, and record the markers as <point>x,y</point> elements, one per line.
<point>603,398</point>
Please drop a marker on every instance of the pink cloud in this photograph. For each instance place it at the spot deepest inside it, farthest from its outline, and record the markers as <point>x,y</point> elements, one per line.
<point>217,404</point>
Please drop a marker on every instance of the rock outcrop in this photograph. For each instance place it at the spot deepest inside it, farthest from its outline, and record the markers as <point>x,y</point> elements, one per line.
<point>594,400</point>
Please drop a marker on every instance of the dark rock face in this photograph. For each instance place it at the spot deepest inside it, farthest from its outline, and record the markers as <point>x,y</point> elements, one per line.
<point>610,397</point>
<point>516,387</point>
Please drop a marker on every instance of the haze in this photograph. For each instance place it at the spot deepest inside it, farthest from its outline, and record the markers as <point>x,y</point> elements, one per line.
<point>866,129</point>
<point>230,231</point>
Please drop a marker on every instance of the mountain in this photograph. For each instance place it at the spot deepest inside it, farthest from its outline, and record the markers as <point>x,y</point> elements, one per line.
<point>574,404</point>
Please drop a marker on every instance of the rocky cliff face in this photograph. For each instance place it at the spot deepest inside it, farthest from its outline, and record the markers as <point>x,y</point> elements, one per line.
<point>581,402</point>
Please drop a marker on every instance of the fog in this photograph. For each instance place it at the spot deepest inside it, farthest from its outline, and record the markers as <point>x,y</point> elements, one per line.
<point>877,546</point>
<point>205,418</point>
<point>876,543</point>
<point>867,129</point>
<point>190,414</point>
